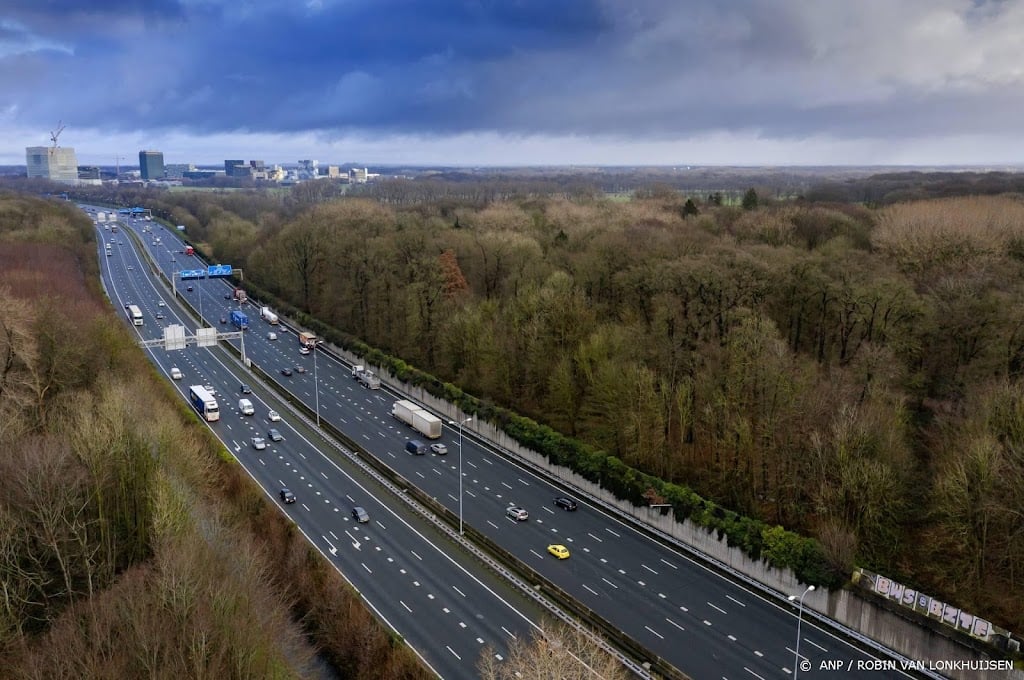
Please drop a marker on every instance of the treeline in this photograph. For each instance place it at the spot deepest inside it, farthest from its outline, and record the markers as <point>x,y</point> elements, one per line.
<point>854,374</point>
<point>896,187</point>
<point>130,543</point>
<point>849,373</point>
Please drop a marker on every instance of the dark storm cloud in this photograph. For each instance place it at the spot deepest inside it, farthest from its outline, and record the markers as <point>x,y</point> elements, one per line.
<point>642,69</point>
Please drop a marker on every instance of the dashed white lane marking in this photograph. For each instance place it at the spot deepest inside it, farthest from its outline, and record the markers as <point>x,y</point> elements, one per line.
<point>675,624</point>
<point>811,642</point>
<point>753,673</point>
<point>594,537</point>
<point>648,568</point>
<point>609,583</point>
<point>453,652</point>
<point>612,533</point>
<point>718,608</point>
<point>669,563</point>
<point>735,600</point>
<point>590,589</point>
<point>406,606</point>
<point>655,632</point>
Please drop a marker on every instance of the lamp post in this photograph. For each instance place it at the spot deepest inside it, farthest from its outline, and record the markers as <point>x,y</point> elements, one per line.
<point>799,620</point>
<point>316,386</point>
<point>460,424</point>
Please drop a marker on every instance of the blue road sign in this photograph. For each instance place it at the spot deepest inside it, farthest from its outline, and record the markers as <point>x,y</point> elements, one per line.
<point>192,274</point>
<point>218,270</point>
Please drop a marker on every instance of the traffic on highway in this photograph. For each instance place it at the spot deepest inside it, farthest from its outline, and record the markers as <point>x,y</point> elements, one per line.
<point>441,600</point>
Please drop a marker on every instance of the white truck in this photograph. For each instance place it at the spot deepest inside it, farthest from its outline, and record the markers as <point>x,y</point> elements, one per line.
<point>420,420</point>
<point>365,377</point>
<point>267,315</point>
<point>101,216</point>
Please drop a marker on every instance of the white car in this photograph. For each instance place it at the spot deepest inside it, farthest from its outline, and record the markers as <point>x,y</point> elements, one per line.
<point>273,416</point>
<point>439,449</point>
<point>161,304</point>
<point>517,513</point>
<point>259,443</point>
<point>176,373</point>
<point>303,350</point>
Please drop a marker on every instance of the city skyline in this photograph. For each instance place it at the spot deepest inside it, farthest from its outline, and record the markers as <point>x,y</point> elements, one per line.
<point>584,82</point>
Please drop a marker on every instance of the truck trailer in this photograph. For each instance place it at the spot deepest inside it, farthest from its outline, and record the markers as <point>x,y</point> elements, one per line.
<point>307,339</point>
<point>417,418</point>
<point>426,424</point>
<point>268,315</point>
<point>239,320</point>
<point>204,402</point>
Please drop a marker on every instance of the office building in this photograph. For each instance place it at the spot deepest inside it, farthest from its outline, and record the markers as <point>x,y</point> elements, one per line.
<point>55,163</point>
<point>309,169</point>
<point>151,165</point>
<point>236,166</point>
<point>178,170</point>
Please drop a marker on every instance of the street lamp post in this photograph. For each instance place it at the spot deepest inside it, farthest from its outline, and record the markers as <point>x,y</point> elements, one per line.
<point>316,386</point>
<point>460,424</point>
<point>799,620</point>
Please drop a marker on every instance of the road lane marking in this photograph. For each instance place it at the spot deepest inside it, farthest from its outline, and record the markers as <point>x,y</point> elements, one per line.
<point>594,537</point>
<point>453,652</point>
<point>648,568</point>
<point>753,673</point>
<point>718,608</point>
<point>591,589</point>
<point>730,597</point>
<point>458,591</point>
<point>609,583</point>
<point>655,632</point>
<point>669,563</point>
<point>416,556</point>
<point>675,624</point>
<point>612,533</point>
<point>811,642</point>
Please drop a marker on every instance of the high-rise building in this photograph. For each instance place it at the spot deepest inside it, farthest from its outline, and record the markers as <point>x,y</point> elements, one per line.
<point>231,167</point>
<point>151,165</point>
<point>309,169</point>
<point>56,163</point>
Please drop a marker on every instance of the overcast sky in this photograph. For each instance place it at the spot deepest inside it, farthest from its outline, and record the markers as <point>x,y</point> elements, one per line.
<point>517,82</point>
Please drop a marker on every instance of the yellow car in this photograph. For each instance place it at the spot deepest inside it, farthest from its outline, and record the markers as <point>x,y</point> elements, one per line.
<point>559,551</point>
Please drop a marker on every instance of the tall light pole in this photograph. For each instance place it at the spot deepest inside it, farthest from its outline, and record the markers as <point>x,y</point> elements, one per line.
<point>316,387</point>
<point>799,620</point>
<point>460,424</point>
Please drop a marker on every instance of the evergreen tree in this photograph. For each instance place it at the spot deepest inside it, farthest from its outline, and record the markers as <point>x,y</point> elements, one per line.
<point>750,199</point>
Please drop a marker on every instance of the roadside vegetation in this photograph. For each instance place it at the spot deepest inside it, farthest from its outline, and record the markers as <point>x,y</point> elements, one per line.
<point>130,544</point>
<point>850,373</point>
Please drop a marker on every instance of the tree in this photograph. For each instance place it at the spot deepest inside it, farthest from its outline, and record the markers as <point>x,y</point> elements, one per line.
<point>690,209</point>
<point>750,199</point>
<point>561,653</point>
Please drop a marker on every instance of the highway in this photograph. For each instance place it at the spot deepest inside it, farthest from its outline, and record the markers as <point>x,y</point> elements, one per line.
<point>704,623</point>
<point>440,600</point>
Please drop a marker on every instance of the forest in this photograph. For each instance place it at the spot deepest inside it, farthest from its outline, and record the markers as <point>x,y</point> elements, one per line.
<point>851,372</point>
<point>131,544</point>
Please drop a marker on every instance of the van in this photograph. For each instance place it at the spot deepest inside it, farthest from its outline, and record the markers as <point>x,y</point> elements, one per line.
<point>245,406</point>
<point>416,447</point>
<point>176,373</point>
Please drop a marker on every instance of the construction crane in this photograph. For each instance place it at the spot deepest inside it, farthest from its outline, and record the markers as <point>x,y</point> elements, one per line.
<point>55,135</point>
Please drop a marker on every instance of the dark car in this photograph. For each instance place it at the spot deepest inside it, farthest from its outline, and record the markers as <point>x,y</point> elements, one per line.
<point>287,496</point>
<point>246,389</point>
<point>565,503</point>
<point>274,435</point>
<point>359,515</point>
<point>286,371</point>
<point>223,319</point>
<point>189,289</point>
<point>227,296</point>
